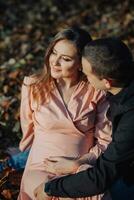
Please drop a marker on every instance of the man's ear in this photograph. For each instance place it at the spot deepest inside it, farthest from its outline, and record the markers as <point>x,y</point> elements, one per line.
<point>108,83</point>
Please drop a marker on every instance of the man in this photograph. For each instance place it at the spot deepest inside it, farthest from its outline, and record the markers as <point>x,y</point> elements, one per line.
<point>108,65</point>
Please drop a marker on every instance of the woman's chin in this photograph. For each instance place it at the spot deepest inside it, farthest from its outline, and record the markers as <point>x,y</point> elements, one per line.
<point>55,75</point>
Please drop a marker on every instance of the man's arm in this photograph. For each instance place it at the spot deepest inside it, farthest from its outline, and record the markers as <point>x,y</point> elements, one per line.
<point>107,168</point>
<point>87,183</point>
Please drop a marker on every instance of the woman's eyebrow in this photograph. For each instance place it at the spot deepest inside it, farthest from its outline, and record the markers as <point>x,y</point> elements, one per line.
<point>64,54</point>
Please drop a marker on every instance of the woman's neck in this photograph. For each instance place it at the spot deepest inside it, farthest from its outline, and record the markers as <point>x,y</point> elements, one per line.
<point>68,82</point>
<point>66,88</point>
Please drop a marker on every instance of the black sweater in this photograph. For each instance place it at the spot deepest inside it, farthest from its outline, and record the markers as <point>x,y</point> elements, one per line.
<point>116,162</point>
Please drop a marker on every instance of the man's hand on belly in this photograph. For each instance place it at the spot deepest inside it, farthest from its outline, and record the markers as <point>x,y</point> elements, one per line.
<point>40,194</point>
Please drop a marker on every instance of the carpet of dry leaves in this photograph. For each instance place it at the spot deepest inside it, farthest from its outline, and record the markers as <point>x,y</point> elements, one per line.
<point>26,26</point>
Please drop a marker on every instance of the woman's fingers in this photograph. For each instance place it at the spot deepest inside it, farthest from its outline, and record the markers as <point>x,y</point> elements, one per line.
<point>49,166</point>
<point>54,158</point>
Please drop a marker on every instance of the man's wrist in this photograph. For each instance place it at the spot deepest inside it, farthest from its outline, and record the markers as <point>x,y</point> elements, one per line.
<point>47,189</point>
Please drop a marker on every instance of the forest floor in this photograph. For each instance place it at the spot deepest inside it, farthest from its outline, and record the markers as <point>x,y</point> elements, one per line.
<point>26,27</point>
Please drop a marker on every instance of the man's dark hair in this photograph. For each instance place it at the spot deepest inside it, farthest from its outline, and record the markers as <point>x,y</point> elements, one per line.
<point>110,58</point>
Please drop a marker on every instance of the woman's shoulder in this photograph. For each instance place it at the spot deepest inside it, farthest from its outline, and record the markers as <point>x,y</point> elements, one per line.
<point>29,80</point>
<point>27,88</point>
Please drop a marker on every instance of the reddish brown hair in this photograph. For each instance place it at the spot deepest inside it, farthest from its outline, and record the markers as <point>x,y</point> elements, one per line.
<point>43,84</point>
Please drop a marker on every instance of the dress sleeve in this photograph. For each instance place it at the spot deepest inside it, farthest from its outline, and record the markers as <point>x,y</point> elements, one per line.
<point>26,113</point>
<point>103,131</point>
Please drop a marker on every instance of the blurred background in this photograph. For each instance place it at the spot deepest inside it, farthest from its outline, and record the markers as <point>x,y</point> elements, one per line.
<point>26,26</point>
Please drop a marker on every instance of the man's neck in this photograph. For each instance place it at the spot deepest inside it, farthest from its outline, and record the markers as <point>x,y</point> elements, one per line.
<point>115,90</point>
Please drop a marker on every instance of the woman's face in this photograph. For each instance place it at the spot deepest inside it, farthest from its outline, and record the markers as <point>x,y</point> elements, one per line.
<point>64,61</point>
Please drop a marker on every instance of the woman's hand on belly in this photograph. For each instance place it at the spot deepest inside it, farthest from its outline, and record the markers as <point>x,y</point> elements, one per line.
<point>61,165</point>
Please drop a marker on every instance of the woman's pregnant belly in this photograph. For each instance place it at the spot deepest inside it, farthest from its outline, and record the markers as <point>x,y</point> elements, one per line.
<point>57,144</point>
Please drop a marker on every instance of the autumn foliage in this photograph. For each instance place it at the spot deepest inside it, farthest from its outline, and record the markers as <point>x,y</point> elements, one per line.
<point>26,26</point>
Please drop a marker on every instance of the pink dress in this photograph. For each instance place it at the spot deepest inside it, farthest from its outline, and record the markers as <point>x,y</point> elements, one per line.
<point>59,130</point>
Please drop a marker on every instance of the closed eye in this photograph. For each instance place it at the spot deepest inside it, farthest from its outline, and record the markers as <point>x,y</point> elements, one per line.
<point>67,59</point>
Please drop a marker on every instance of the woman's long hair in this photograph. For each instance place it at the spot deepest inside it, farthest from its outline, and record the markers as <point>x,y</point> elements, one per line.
<point>43,82</point>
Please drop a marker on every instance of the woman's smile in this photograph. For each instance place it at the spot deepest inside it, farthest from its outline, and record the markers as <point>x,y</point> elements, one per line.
<point>56,69</point>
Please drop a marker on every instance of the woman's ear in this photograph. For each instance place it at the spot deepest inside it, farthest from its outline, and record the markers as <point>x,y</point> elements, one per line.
<point>80,67</point>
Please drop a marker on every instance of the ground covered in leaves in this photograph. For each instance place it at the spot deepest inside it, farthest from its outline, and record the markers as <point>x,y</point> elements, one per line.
<point>26,26</point>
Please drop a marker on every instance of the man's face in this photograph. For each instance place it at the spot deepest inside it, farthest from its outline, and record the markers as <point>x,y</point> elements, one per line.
<point>92,78</point>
